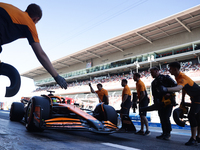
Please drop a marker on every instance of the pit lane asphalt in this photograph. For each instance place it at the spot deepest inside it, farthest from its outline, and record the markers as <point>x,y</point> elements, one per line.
<point>14,136</point>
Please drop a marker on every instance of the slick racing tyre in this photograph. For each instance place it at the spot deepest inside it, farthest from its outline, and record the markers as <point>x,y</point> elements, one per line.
<point>106,113</point>
<point>177,114</point>
<point>15,80</point>
<point>42,102</point>
<point>16,111</point>
<point>111,114</point>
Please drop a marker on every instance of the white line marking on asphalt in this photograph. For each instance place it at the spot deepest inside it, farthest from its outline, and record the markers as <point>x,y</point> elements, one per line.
<point>180,132</point>
<point>120,146</point>
<point>173,132</point>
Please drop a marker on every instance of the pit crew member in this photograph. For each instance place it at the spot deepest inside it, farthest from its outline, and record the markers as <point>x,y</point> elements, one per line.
<point>143,102</point>
<point>188,86</point>
<point>15,24</point>
<point>163,102</point>
<point>102,93</point>
<point>126,99</point>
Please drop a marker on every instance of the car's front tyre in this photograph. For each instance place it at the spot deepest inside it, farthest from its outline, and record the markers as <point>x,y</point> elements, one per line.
<point>16,111</point>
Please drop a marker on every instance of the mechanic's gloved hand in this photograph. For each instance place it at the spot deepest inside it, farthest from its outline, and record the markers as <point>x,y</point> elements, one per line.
<point>167,102</point>
<point>61,81</point>
<point>162,89</point>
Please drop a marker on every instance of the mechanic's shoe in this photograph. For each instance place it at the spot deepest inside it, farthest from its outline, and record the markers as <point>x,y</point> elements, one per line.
<point>160,136</point>
<point>197,139</point>
<point>166,136</point>
<point>191,142</point>
<point>147,133</point>
<point>140,132</point>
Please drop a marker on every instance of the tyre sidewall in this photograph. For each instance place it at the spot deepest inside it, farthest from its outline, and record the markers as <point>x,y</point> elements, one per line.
<point>16,111</point>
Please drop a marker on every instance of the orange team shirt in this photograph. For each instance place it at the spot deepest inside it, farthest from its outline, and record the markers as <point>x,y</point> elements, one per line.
<point>15,24</point>
<point>127,91</point>
<point>140,87</point>
<point>189,86</point>
<point>101,93</point>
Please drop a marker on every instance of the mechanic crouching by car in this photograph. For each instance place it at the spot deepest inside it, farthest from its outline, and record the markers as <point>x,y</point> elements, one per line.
<point>188,86</point>
<point>163,102</point>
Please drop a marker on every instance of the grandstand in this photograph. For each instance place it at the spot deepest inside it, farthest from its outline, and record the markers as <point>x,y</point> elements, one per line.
<point>175,38</point>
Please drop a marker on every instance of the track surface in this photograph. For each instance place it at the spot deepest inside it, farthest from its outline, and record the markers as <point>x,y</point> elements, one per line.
<point>14,136</point>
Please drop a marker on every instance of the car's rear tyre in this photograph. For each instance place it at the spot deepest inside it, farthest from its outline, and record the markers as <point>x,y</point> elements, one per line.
<point>44,103</point>
<point>16,111</point>
<point>106,113</point>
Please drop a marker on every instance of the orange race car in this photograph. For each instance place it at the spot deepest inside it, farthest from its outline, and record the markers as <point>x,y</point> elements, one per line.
<point>51,112</point>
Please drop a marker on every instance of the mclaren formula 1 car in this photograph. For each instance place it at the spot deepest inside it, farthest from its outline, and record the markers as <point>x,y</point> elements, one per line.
<point>50,112</point>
